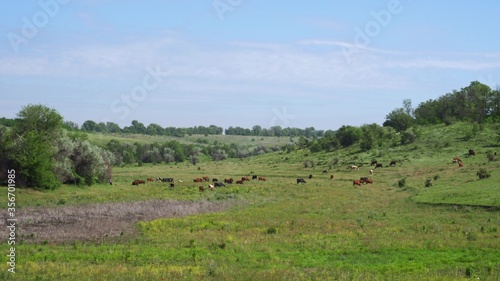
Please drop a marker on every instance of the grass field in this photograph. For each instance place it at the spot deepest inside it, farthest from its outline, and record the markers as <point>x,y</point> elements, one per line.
<point>276,229</point>
<point>245,141</point>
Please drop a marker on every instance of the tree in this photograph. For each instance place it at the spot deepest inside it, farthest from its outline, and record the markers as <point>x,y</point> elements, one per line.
<point>33,151</point>
<point>399,120</point>
<point>348,135</point>
<point>39,119</point>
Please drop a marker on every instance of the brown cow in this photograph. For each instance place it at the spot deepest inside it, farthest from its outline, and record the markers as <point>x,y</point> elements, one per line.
<point>245,178</point>
<point>205,178</point>
<point>239,182</point>
<point>136,182</point>
<point>201,188</point>
<point>369,181</point>
<point>151,179</point>
<point>456,160</point>
<point>460,164</point>
<point>356,182</point>
<point>142,181</point>
<point>197,180</point>
<point>262,178</point>
<point>229,180</point>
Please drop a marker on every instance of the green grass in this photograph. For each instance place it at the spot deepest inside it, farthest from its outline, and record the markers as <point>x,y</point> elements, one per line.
<point>279,230</point>
<point>245,141</point>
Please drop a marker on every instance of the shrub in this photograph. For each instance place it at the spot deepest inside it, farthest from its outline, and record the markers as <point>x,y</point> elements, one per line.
<point>428,182</point>
<point>483,174</point>
<point>402,182</point>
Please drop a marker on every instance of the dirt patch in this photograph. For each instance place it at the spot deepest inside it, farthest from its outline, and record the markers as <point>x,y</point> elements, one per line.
<point>95,222</point>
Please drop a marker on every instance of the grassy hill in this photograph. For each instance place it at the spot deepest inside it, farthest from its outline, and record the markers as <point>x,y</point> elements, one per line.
<point>394,229</point>
<point>245,141</point>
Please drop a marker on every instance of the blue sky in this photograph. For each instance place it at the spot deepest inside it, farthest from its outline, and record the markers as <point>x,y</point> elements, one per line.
<point>242,62</point>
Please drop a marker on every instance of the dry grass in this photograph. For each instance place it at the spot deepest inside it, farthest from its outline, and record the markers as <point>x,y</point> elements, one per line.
<point>95,222</point>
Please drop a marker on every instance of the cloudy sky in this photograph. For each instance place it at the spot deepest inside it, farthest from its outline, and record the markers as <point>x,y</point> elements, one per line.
<point>242,62</point>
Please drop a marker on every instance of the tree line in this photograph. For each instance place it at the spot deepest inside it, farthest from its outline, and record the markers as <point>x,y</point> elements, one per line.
<point>154,129</point>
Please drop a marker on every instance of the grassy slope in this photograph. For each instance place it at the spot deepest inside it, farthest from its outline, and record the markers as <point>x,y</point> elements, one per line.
<point>318,231</point>
<point>245,141</point>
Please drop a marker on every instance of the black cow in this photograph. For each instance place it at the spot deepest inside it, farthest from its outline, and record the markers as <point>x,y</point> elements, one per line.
<point>393,163</point>
<point>472,152</point>
<point>379,165</point>
<point>300,180</point>
<point>214,180</point>
<point>167,180</point>
<point>219,184</point>
<point>254,177</point>
<point>310,176</point>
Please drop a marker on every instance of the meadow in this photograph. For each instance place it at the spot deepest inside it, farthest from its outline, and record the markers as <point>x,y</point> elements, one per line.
<point>398,228</point>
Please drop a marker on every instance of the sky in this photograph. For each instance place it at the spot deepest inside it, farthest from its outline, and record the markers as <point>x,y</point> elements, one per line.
<point>321,64</point>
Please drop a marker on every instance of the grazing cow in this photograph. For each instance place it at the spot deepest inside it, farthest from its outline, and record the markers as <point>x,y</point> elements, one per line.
<point>205,178</point>
<point>369,181</point>
<point>325,171</point>
<point>142,182</point>
<point>300,180</point>
<point>151,179</point>
<point>393,163</point>
<point>456,160</point>
<point>331,177</point>
<point>371,172</point>
<point>379,165</point>
<point>245,178</point>
<point>197,180</point>
<point>201,188</point>
<point>214,180</point>
<point>363,179</point>
<point>354,168</point>
<point>262,178</point>
<point>254,177</point>
<point>167,180</point>
<point>172,185</point>
<point>356,182</point>
<point>136,182</point>
<point>219,184</point>
<point>229,180</point>
<point>472,152</point>
<point>158,179</point>
<point>211,186</point>
<point>374,162</point>
<point>239,182</point>
<point>460,164</point>
<point>110,181</point>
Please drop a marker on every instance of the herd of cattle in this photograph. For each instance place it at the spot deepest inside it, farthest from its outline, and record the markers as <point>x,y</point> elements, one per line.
<point>217,183</point>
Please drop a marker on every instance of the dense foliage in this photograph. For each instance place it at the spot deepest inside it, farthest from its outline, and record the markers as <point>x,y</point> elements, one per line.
<point>45,154</point>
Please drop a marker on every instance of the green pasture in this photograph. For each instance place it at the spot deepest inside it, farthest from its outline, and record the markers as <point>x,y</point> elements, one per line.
<point>394,229</point>
<point>245,141</point>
